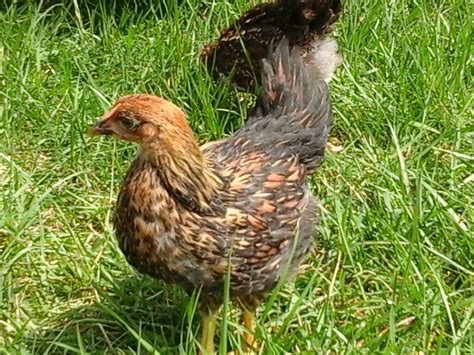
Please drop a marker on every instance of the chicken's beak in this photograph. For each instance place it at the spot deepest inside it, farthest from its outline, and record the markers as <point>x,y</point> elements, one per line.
<point>100,128</point>
<point>103,126</point>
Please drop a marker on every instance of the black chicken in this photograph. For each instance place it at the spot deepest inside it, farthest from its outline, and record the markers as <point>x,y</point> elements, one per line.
<point>306,23</point>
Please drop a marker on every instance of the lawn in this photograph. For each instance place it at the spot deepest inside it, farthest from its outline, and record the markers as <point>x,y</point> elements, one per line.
<point>394,268</point>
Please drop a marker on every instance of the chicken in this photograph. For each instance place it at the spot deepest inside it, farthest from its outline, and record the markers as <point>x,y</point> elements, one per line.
<point>240,206</point>
<point>306,23</point>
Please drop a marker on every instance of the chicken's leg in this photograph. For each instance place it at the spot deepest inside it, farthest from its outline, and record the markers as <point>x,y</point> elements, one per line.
<point>208,330</point>
<point>249,323</point>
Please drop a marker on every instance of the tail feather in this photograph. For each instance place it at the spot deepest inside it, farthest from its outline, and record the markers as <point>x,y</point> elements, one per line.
<point>294,106</point>
<point>323,56</point>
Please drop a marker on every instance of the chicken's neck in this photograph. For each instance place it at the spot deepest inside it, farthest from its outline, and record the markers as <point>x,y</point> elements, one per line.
<point>186,177</point>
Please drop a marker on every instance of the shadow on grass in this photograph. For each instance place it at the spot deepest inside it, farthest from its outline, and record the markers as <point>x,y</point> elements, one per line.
<point>137,314</point>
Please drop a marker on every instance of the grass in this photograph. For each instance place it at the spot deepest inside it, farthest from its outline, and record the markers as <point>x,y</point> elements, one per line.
<point>394,270</point>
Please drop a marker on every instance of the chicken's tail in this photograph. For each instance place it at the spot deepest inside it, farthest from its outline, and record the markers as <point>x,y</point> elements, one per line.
<point>294,106</point>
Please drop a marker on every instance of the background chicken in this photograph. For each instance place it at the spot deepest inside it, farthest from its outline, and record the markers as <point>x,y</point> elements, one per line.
<point>306,23</point>
<point>184,212</point>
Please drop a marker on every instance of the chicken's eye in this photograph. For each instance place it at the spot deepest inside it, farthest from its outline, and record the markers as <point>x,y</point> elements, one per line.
<point>129,123</point>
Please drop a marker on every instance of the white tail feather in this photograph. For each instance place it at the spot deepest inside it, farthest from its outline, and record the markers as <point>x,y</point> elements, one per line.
<point>324,57</point>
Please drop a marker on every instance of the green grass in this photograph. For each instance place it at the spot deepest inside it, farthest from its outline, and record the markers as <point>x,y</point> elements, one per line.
<point>394,270</point>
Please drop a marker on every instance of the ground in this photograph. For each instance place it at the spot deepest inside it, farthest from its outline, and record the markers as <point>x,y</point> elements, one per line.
<point>394,268</point>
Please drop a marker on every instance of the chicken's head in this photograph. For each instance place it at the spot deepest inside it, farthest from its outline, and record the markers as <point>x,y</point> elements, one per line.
<point>152,122</point>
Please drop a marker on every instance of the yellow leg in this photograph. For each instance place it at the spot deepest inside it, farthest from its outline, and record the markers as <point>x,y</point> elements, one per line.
<point>249,323</point>
<point>208,330</point>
